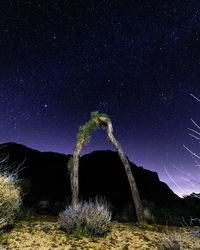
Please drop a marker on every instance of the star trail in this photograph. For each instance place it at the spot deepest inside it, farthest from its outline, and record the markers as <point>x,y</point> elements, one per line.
<point>138,61</point>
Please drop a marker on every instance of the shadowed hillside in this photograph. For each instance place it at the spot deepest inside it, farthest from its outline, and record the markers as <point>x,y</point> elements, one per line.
<point>45,177</point>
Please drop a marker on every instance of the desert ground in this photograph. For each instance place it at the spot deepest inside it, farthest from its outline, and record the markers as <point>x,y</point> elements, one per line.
<point>43,233</point>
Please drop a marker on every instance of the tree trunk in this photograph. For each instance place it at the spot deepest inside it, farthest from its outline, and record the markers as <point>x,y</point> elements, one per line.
<point>74,173</point>
<point>135,194</point>
<point>74,179</point>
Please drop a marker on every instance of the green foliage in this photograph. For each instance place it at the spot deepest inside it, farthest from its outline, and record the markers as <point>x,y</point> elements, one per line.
<point>86,129</point>
<point>96,115</point>
<point>81,230</point>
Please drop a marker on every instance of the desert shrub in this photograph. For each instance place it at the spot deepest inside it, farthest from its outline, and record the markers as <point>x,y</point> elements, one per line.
<point>86,218</point>
<point>178,241</point>
<point>170,242</point>
<point>10,199</point>
<point>149,217</point>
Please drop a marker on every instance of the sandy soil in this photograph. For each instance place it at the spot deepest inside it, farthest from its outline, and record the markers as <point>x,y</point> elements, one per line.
<point>43,233</point>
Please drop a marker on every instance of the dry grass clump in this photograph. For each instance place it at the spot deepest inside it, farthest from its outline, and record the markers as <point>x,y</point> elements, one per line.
<point>178,241</point>
<point>170,241</point>
<point>10,199</point>
<point>86,218</point>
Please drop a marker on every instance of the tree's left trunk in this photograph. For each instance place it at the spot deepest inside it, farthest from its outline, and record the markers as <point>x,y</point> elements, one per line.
<point>74,179</point>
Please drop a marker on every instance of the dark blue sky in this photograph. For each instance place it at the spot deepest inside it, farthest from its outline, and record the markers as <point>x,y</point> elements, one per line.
<point>139,61</point>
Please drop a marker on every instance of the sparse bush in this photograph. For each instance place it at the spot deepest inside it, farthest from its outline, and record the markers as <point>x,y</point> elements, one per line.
<point>170,242</point>
<point>86,218</point>
<point>178,241</point>
<point>10,198</point>
<point>149,217</point>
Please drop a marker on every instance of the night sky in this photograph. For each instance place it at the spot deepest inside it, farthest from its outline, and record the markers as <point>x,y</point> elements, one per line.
<point>138,61</point>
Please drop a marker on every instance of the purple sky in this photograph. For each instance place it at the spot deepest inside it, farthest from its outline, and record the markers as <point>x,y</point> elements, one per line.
<point>137,61</point>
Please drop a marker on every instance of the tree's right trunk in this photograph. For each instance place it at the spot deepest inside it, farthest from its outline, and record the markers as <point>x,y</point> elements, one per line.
<point>135,194</point>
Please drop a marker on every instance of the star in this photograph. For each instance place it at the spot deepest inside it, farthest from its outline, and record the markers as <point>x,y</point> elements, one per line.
<point>139,65</point>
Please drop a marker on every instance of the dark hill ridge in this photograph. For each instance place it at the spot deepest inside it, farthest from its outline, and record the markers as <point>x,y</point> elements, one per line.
<point>101,173</point>
<point>107,173</point>
<point>45,173</point>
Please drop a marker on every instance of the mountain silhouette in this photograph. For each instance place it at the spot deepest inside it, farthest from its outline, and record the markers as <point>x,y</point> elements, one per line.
<point>44,176</point>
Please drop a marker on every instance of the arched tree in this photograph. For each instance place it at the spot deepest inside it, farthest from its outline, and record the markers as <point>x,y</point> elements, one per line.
<point>101,120</point>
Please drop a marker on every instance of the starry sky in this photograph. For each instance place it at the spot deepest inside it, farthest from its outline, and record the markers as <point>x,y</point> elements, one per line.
<point>138,61</point>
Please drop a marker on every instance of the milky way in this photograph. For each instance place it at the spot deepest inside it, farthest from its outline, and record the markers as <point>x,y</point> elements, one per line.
<point>138,61</point>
